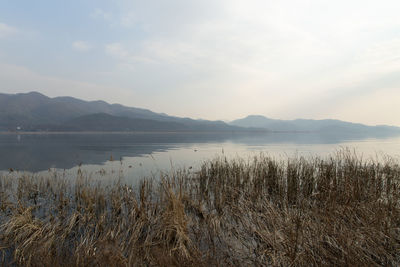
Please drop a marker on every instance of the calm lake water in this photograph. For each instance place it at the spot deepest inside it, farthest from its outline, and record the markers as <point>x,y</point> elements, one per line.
<point>138,155</point>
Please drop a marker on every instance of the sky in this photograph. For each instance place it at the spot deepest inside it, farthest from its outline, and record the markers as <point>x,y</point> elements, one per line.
<point>210,59</point>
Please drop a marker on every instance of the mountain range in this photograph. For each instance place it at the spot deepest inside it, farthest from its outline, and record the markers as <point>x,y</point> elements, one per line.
<point>36,112</point>
<point>306,125</point>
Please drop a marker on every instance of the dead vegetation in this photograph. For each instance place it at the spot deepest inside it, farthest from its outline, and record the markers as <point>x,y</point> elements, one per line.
<point>339,211</point>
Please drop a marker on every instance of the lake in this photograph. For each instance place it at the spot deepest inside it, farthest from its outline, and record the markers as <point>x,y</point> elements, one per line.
<point>135,155</point>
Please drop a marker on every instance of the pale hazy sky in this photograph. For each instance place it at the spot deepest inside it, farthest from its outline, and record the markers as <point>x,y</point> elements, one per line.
<point>211,59</point>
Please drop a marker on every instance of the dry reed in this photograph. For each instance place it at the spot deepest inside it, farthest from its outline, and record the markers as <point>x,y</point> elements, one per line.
<point>338,211</point>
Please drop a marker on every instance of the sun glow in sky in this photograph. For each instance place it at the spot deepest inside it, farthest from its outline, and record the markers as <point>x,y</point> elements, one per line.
<point>210,59</point>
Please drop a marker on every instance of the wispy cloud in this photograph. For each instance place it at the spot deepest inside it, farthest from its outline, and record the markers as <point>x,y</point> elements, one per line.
<point>100,13</point>
<point>6,30</point>
<point>81,46</point>
<point>118,51</point>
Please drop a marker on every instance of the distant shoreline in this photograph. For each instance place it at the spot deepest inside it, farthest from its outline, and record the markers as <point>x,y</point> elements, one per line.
<point>260,131</point>
<point>136,132</point>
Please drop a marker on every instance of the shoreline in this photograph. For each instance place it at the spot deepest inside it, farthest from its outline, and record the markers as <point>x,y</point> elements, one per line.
<point>154,132</point>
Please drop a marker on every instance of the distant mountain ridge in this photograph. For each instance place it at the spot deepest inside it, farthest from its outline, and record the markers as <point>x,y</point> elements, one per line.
<point>308,125</point>
<point>36,107</point>
<point>36,112</point>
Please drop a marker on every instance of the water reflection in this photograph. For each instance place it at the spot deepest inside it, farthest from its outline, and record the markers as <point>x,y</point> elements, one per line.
<point>40,152</point>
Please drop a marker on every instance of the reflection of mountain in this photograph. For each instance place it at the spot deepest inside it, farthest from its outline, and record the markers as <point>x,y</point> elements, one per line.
<point>39,152</point>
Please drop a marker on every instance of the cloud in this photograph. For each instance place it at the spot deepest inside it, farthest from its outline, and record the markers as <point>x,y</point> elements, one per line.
<point>6,30</point>
<point>81,46</point>
<point>230,36</point>
<point>99,13</point>
<point>118,51</point>
<point>247,48</point>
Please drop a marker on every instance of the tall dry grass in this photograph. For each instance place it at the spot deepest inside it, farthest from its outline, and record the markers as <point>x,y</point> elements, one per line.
<point>340,211</point>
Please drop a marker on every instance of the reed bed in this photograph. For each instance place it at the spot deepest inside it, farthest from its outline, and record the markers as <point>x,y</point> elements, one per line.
<point>339,210</point>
